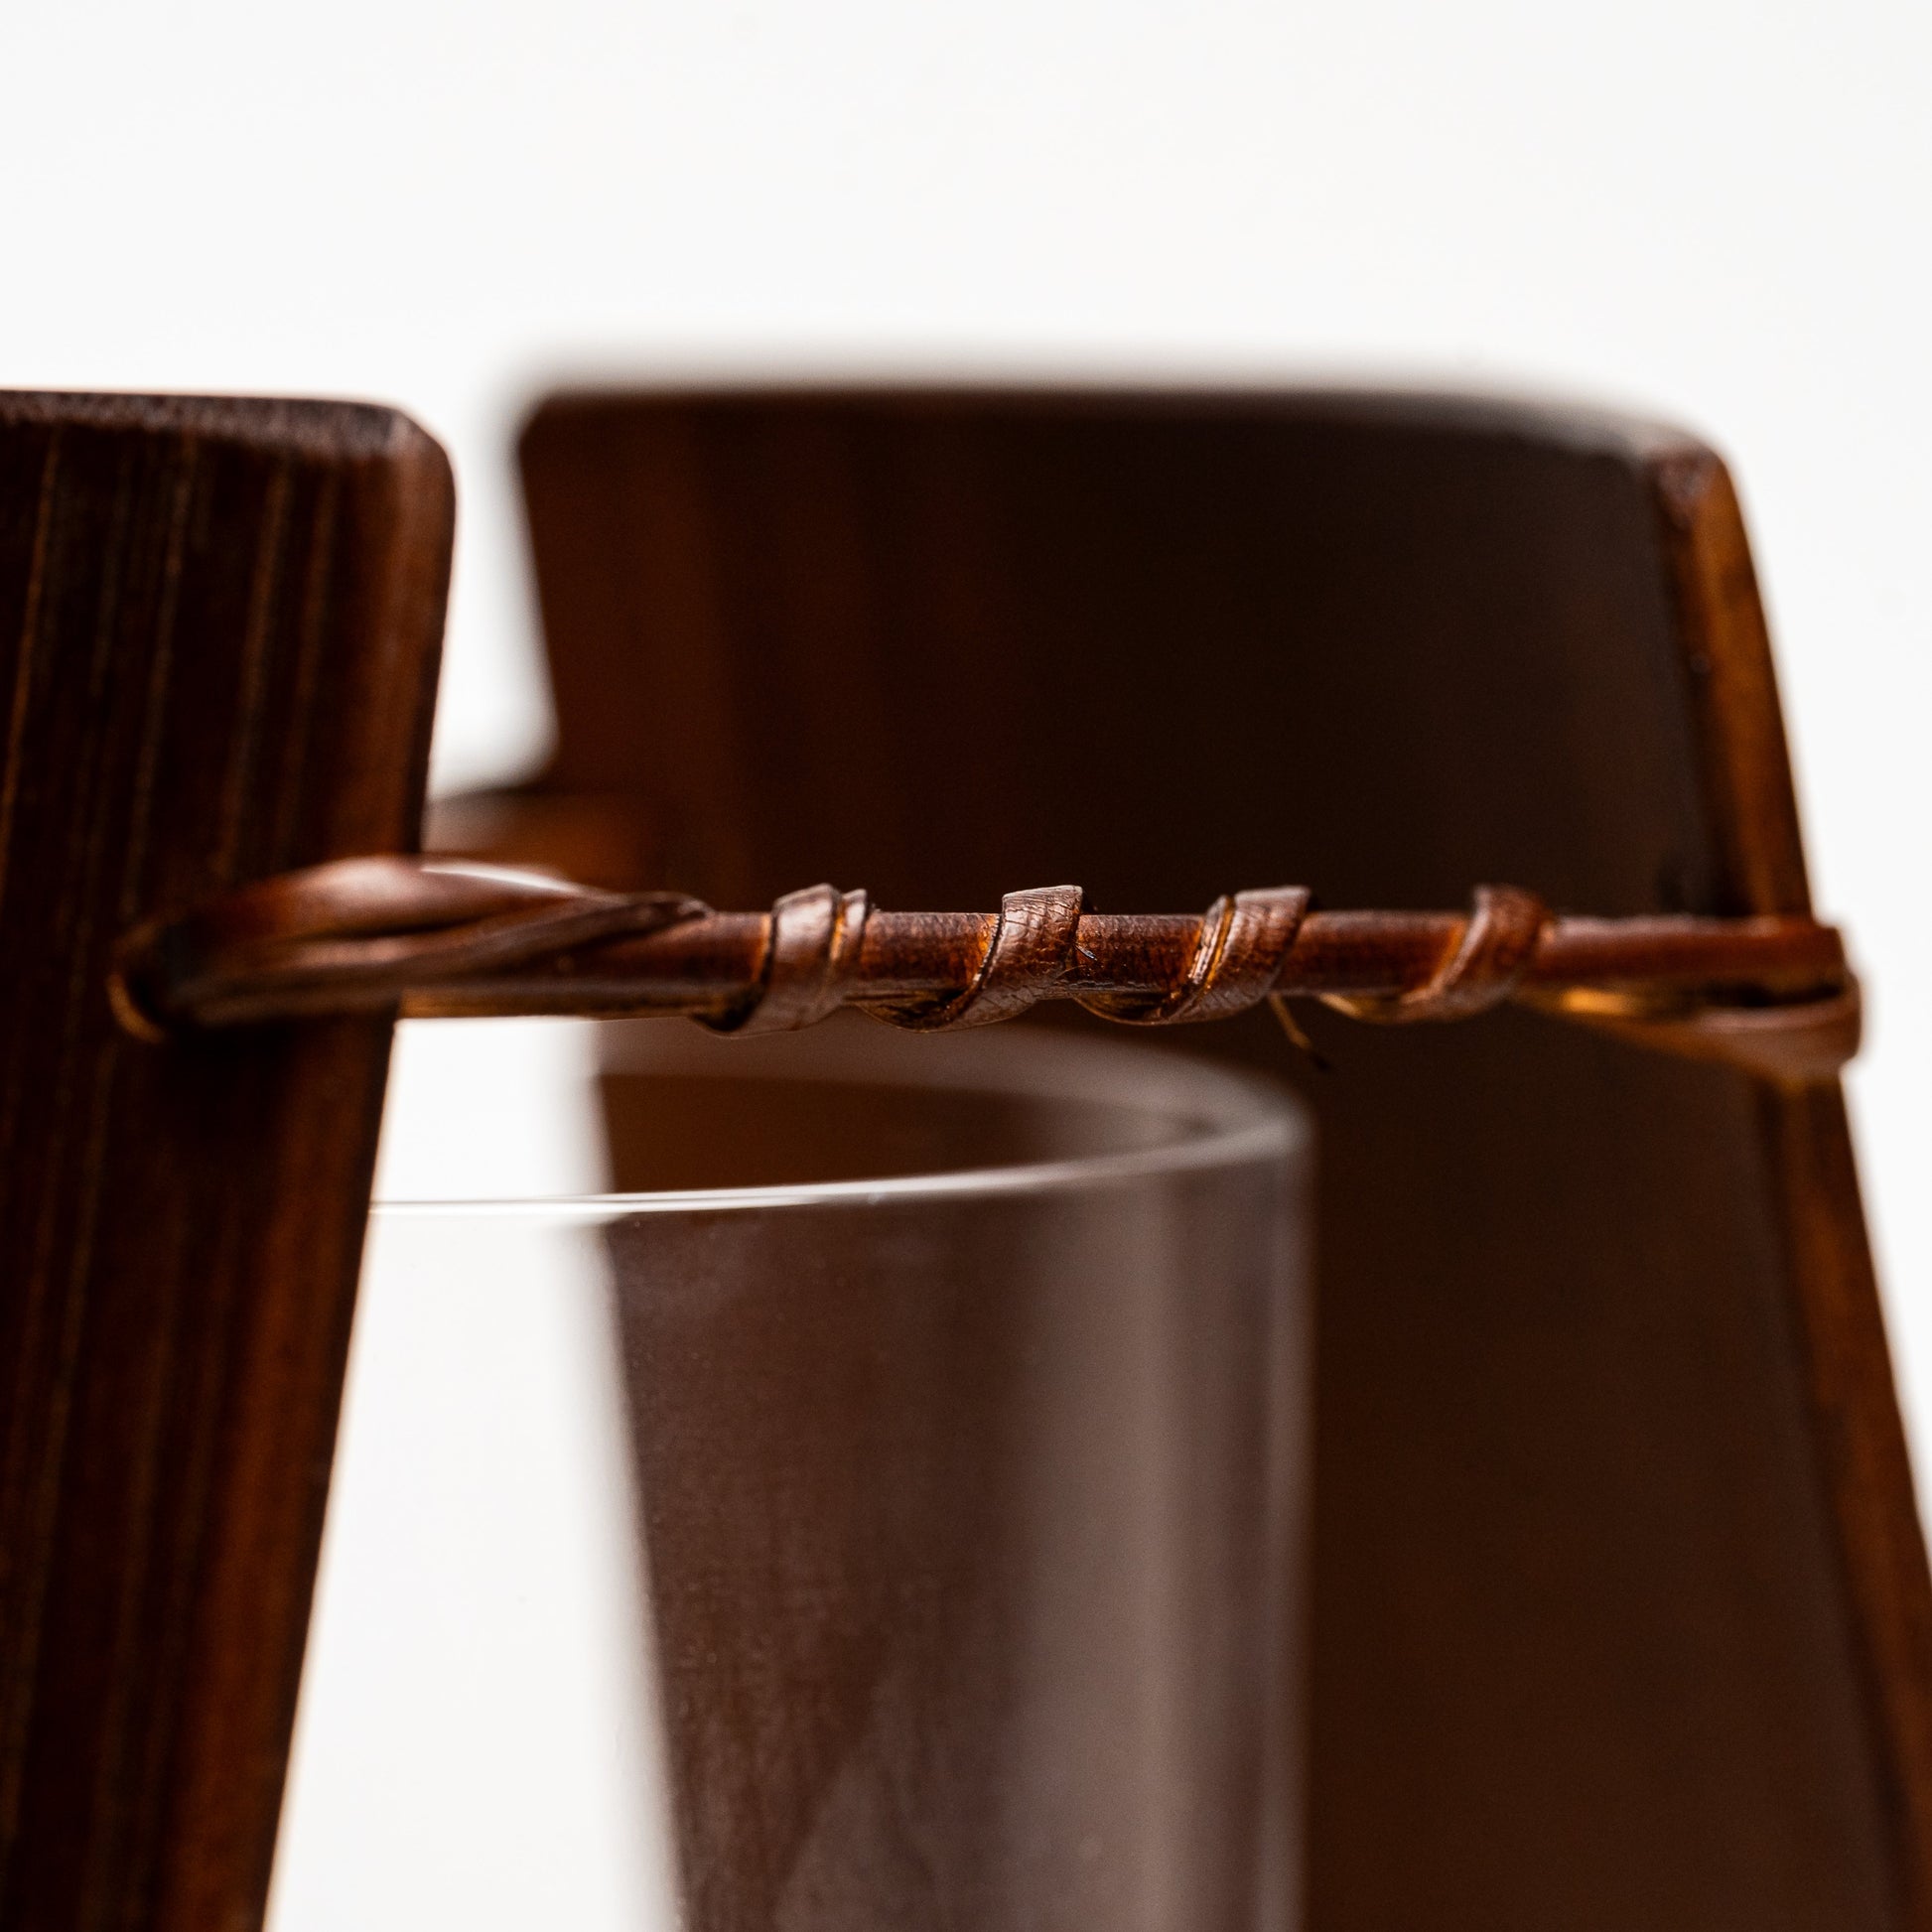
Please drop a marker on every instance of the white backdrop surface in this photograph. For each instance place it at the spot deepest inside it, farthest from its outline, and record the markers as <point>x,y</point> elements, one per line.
<point>1710,210</point>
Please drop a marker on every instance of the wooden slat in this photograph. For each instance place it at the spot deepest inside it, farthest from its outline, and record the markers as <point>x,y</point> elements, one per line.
<point>1620,1605</point>
<point>218,631</point>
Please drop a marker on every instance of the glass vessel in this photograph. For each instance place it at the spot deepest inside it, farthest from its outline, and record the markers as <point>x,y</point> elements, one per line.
<point>844,1480</point>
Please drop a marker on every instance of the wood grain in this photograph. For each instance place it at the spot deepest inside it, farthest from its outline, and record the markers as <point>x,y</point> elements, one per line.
<point>218,631</point>
<point>1620,1603</point>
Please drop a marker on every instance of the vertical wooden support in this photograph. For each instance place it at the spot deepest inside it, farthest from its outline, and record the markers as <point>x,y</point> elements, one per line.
<point>220,624</point>
<point>1857,1432</point>
<point>1621,1609</point>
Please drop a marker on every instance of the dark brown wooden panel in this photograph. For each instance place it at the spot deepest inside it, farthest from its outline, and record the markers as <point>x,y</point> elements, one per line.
<point>218,633</point>
<point>1621,1605</point>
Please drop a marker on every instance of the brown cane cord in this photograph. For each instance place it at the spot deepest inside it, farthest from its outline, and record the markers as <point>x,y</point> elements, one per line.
<point>1027,954</point>
<point>810,954</point>
<point>1237,959</point>
<point>1771,994</point>
<point>1485,969</point>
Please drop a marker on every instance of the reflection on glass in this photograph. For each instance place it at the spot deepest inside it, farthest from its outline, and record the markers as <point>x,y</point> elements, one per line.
<point>874,1502</point>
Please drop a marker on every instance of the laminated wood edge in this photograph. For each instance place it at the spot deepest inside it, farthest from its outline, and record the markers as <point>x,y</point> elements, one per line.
<point>1858,1432</point>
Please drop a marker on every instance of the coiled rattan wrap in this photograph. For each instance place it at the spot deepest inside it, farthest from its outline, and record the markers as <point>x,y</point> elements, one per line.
<point>1770,995</point>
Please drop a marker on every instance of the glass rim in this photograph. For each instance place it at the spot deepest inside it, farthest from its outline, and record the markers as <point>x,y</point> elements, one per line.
<point>1224,1117</point>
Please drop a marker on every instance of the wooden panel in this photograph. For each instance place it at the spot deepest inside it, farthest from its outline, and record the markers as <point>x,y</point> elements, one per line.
<point>218,633</point>
<point>1620,1601</point>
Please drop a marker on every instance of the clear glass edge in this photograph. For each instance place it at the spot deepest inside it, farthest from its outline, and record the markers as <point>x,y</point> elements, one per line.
<point>1276,1128</point>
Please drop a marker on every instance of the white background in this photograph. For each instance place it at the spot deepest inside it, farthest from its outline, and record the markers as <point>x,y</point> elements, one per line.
<point>1712,209</point>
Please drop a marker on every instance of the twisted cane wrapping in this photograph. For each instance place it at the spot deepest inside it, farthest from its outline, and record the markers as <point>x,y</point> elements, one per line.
<point>1771,994</point>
